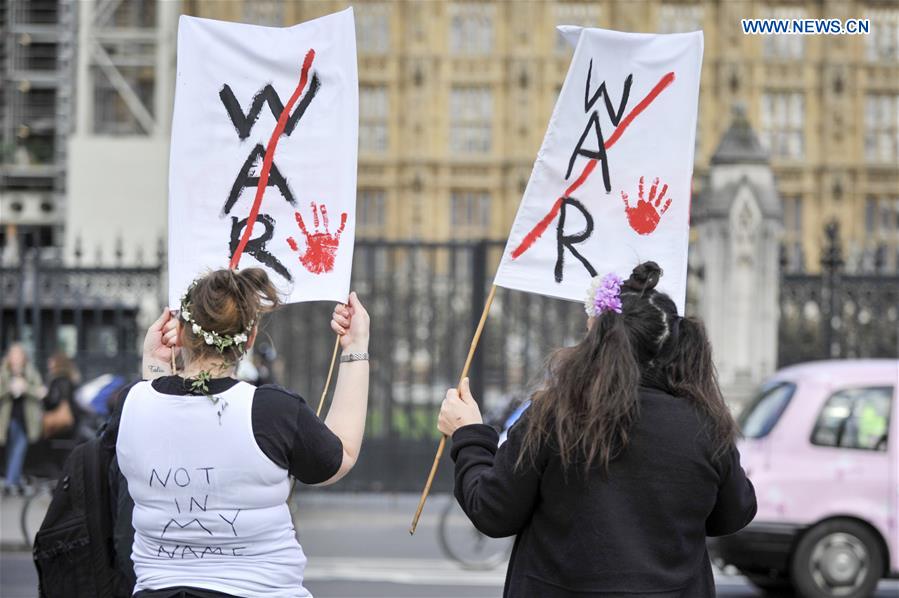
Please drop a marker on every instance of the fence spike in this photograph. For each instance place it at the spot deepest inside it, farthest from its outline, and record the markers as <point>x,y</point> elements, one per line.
<point>471,349</point>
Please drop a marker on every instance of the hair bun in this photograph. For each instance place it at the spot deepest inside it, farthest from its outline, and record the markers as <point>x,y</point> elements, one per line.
<point>644,278</point>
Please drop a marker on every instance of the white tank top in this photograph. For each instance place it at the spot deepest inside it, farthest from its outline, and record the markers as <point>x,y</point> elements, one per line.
<point>210,508</point>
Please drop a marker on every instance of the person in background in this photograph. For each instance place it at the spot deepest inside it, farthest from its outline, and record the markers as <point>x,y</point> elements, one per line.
<point>256,366</point>
<point>61,413</point>
<point>205,459</point>
<point>264,359</point>
<point>20,412</point>
<point>621,466</point>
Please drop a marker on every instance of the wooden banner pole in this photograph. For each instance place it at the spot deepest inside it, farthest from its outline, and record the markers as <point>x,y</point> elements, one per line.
<point>321,401</point>
<point>442,445</point>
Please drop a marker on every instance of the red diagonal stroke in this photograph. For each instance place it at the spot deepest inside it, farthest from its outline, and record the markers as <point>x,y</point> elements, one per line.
<point>537,231</point>
<point>269,156</point>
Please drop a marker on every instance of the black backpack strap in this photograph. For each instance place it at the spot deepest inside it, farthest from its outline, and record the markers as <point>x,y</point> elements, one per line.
<point>109,433</point>
<point>120,503</point>
<point>122,506</point>
<point>73,550</point>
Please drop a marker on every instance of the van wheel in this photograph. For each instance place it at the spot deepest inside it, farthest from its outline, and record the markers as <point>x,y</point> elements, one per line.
<point>839,559</point>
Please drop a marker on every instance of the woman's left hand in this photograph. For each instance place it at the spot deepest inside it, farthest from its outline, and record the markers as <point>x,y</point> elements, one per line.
<point>159,345</point>
<point>458,410</point>
<point>351,323</point>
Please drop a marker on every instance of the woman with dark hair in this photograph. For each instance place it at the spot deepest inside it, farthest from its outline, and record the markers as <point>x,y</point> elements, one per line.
<point>623,463</point>
<point>206,459</point>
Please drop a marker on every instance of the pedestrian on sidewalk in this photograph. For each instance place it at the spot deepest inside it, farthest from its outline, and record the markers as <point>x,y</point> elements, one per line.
<point>61,413</point>
<point>21,391</point>
<point>622,465</point>
<point>206,459</point>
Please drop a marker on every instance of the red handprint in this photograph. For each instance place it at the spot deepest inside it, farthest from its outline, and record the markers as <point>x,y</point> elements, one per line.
<point>321,247</point>
<point>644,218</point>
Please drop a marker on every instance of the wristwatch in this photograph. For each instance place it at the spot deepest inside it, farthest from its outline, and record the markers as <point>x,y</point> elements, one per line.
<point>353,357</point>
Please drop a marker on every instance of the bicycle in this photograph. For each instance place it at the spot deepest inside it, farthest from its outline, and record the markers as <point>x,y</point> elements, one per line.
<point>458,538</point>
<point>44,468</point>
<point>37,501</point>
<point>463,543</point>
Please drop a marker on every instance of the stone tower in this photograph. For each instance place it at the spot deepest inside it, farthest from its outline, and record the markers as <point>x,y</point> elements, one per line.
<point>738,221</point>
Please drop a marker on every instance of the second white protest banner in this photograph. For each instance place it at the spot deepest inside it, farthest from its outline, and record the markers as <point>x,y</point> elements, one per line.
<point>263,158</point>
<point>611,185</point>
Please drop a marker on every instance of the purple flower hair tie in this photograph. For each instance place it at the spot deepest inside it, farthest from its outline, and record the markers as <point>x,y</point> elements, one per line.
<point>604,295</point>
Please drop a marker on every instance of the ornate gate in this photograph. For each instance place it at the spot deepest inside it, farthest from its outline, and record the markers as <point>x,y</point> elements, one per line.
<point>91,312</point>
<point>836,314</point>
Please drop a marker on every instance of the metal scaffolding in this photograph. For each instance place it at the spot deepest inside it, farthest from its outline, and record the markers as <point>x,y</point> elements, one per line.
<point>36,118</point>
<point>119,56</point>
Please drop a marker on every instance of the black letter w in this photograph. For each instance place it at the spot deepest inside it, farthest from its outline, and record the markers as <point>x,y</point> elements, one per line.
<point>243,123</point>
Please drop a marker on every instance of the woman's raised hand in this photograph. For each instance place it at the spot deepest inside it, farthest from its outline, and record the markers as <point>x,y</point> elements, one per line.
<point>346,417</point>
<point>351,322</point>
<point>171,331</point>
<point>458,410</point>
<point>159,343</point>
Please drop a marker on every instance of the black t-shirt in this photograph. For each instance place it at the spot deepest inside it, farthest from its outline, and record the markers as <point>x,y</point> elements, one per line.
<point>61,389</point>
<point>18,408</point>
<point>285,427</point>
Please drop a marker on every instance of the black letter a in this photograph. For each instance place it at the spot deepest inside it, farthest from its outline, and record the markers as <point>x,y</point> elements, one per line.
<point>244,180</point>
<point>598,154</point>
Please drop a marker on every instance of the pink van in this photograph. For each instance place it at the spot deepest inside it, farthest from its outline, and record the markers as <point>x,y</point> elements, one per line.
<point>821,445</point>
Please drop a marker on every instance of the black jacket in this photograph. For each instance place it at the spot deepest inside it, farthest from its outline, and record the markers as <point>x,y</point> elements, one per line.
<point>639,532</point>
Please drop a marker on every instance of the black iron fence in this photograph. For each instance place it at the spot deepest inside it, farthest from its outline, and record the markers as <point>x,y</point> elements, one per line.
<point>425,300</point>
<point>838,314</point>
<point>90,312</point>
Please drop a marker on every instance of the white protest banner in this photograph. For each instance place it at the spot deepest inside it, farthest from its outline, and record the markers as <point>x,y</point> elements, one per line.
<point>263,158</point>
<point>612,181</point>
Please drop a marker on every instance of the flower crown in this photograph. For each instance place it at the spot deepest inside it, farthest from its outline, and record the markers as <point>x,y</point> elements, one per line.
<point>604,295</point>
<point>221,341</point>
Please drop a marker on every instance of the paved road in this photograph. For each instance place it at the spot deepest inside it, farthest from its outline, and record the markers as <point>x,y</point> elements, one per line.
<point>329,577</point>
<point>359,547</point>
<point>333,577</point>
